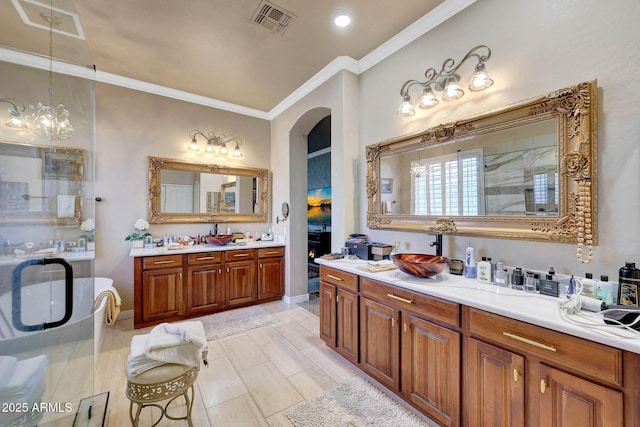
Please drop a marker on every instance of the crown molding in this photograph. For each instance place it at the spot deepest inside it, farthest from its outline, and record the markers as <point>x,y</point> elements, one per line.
<point>438,15</point>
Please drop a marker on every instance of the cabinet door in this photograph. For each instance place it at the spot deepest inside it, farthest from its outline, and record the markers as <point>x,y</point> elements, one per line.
<point>380,342</point>
<point>240,282</point>
<point>162,294</point>
<point>205,289</point>
<point>347,325</point>
<point>328,331</point>
<point>495,386</point>
<point>569,401</point>
<point>270,278</point>
<point>431,368</point>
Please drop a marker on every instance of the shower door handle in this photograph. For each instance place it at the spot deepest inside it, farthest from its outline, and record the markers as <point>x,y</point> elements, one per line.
<point>16,294</point>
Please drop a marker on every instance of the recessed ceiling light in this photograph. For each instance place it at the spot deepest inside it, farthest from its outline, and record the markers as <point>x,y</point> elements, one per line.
<point>342,21</point>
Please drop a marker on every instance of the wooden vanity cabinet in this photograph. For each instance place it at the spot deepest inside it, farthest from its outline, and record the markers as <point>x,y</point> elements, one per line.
<point>522,374</point>
<point>240,277</point>
<point>410,342</point>
<point>205,283</point>
<point>339,312</point>
<point>270,273</point>
<point>161,290</point>
<point>174,287</point>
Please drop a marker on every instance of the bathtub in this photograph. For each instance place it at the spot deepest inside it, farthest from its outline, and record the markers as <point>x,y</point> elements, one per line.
<point>85,325</point>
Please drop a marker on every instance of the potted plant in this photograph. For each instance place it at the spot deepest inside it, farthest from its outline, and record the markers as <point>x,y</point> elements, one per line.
<point>140,233</point>
<point>89,227</point>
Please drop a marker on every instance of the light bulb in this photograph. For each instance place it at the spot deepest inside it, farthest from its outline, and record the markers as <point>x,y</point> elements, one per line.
<point>452,90</point>
<point>223,149</point>
<point>480,79</point>
<point>406,108</point>
<point>428,99</point>
<point>209,147</point>
<point>194,145</point>
<point>236,151</point>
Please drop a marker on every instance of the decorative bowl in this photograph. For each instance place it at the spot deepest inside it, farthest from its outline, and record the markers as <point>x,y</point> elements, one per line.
<point>420,265</point>
<point>219,240</point>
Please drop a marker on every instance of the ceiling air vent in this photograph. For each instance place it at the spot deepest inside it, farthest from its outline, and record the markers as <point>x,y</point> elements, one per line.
<point>272,17</point>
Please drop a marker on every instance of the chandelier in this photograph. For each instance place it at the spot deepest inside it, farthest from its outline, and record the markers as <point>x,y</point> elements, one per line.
<point>447,81</point>
<point>213,141</point>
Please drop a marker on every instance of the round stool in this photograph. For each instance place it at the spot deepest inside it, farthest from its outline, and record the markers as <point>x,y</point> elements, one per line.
<point>168,381</point>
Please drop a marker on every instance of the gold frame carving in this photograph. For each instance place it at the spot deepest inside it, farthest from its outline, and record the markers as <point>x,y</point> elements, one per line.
<point>575,110</point>
<point>157,164</point>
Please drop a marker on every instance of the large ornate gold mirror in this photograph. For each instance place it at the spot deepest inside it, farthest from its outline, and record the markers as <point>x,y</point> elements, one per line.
<point>184,192</point>
<point>41,184</point>
<point>523,172</point>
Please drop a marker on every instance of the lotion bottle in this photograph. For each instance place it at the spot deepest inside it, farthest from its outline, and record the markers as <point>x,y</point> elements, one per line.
<point>588,284</point>
<point>484,271</point>
<point>470,268</point>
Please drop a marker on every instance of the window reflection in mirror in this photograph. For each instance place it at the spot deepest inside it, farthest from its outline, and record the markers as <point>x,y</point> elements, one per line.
<point>512,172</point>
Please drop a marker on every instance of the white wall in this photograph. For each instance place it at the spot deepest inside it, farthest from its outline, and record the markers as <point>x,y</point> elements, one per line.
<point>537,47</point>
<point>338,97</point>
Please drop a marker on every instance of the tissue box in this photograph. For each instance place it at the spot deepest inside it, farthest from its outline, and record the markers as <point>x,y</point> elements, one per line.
<point>361,250</point>
<point>380,251</point>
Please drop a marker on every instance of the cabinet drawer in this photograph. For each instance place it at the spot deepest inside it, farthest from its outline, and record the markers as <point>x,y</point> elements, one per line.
<point>270,252</point>
<point>205,258</point>
<point>339,278</point>
<point>443,312</point>
<point>239,255</point>
<point>162,261</point>
<point>572,353</point>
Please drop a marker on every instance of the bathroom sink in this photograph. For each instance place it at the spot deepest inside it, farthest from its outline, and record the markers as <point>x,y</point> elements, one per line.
<point>420,265</point>
<point>219,240</point>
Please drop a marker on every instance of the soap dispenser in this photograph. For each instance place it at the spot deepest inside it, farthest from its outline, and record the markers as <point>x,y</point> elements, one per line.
<point>470,268</point>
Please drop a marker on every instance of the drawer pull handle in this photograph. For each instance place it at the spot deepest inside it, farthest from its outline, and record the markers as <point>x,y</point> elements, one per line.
<point>408,301</point>
<point>163,262</point>
<point>529,341</point>
<point>272,252</point>
<point>393,322</point>
<point>405,327</point>
<point>204,258</point>
<point>330,295</point>
<point>543,386</point>
<point>331,276</point>
<point>516,375</point>
<point>240,255</point>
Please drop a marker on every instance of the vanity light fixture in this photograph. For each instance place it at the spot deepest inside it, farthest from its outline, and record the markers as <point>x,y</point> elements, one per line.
<point>214,141</point>
<point>447,81</point>
<point>15,119</point>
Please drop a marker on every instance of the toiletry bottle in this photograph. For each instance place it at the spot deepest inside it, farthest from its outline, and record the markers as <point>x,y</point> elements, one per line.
<point>529,282</point>
<point>517,279</point>
<point>588,284</point>
<point>494,267</point>
<point>470,268</point>
<point>629,282</point>
<point>484,271</point>
<point>605,290</point>
<point>501,276</point>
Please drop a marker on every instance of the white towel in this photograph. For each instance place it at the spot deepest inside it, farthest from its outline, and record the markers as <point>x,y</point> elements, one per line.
<point>113,304</point>
<point>35,396</point>
<point>7,367</point>
<point>66,206</point>
<point>27,375</point>
<point>138,363</point>
<point>181,343</point>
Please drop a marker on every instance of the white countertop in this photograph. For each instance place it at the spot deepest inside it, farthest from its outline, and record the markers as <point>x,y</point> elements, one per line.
<point>203,248</point>
<point>536,309</point>
<point>68,256</point>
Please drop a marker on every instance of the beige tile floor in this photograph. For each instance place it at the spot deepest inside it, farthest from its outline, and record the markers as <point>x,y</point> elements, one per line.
<point>253,378</point>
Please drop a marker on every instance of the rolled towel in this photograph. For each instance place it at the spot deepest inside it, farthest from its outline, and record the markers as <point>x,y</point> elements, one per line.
<point>113,304</point>
<point>181,343</point>
<point>28,373</point>
<point>138,363</point>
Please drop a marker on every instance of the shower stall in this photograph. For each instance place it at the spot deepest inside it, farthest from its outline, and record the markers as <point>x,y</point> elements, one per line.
<point>47,149</point>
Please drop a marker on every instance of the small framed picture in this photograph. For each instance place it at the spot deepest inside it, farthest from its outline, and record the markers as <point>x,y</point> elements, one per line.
<point>60,163</point>
<point>386,185</point>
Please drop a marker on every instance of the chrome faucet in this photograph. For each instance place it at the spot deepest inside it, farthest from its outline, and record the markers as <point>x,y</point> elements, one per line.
<point>437,244</point>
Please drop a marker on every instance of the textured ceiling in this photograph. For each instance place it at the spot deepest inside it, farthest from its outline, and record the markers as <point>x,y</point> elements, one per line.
<point>210,47</point>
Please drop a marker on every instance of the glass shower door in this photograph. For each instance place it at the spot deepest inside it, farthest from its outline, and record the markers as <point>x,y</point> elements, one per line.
<point>46,192</point>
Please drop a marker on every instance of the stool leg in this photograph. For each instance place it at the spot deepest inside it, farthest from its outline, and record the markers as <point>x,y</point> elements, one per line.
<point>189,403</point>
<point>134,420</point>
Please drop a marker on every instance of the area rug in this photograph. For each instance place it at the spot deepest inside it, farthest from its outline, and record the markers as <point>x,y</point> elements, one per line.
<point>233,322</point>
<point>354,403</point>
